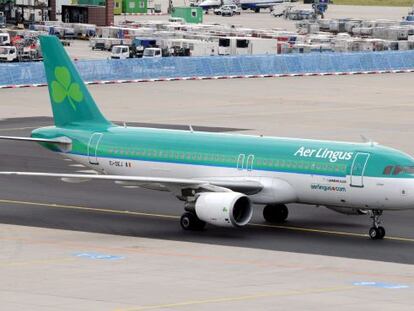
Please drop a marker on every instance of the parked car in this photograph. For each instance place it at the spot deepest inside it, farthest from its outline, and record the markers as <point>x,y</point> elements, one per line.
<point>227,11</point>
<point>234,8</point>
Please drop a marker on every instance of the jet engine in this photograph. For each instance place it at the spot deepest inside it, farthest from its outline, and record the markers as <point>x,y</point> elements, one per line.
<point>225,209</point>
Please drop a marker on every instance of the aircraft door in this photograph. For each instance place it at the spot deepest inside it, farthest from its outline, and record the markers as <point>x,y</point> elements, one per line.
<point>93,148</point>
<point>240,161</point>
<point>250,160</point>
<point>358,169</point>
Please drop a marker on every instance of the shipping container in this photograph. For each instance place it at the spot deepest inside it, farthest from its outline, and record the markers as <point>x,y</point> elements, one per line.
<point>84,14</point>
<point>91,2</point>
<point>192,15</point>
<point>134,6</point>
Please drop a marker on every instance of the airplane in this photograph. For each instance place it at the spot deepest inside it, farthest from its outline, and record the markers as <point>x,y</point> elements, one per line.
<point>254,5</point>
<point>218,176</point>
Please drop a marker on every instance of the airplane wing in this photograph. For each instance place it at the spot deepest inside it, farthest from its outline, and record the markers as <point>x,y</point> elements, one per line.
<point>59,140</point>
<point>244,186</point>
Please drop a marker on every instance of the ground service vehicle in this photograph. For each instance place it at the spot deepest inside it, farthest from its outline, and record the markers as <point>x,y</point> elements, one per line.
<point>246,46</point>
<point>4,38</point>
<point>227,11</point>
<point>120,52</point>
<point>233,7</point>
<point>138,46</point>
<point>20,54</point>
<point>152,52</point>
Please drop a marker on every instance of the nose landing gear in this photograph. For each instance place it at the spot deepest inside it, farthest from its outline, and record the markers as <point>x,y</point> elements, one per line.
<point>376,232</point>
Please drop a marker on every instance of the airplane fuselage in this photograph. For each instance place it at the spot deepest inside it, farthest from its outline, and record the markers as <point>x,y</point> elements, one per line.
<point>338,174</point>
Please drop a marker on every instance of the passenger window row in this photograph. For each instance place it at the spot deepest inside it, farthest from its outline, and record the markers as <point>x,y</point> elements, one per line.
<point>258,162</point>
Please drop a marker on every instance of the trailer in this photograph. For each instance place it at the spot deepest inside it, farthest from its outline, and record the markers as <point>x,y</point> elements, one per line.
<point>190,47</point>
<point>246,46</point>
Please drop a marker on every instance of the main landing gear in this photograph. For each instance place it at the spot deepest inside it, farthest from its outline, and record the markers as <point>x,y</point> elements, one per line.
<point>376,232</point>
<point>190,221</point>
<point>275,213</point>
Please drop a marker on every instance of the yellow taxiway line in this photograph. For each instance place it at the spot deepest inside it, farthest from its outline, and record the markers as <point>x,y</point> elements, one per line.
<point>240,298</point>
<point>165,216</point>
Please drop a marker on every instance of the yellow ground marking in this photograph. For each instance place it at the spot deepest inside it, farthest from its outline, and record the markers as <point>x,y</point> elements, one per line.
<point>110,211</point>
<point>241,298</point>
<point>169,254</point>
<point>311,230</point>
<point>88,209</point>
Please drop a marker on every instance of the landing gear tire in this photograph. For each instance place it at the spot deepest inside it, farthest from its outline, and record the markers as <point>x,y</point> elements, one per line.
<point>275,213</point>
<point>190,221</point>
<point>382,232</point>
<point>376,232</point>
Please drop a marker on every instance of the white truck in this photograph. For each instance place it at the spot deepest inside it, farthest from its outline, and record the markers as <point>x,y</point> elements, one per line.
<point>120,52</point>
<point>14,54</point>
<point>4,38</point>
<point>152,53</point>
<point>8,54</point>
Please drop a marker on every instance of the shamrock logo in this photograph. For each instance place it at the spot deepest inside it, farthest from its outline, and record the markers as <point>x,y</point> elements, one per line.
<point>63,88</point>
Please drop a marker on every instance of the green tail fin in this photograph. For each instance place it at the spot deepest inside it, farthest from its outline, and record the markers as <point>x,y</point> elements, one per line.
<point>72,104</point>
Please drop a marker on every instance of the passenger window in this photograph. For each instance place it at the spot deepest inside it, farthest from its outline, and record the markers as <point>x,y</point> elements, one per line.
<point>387,170</point>
<point>398,169</point>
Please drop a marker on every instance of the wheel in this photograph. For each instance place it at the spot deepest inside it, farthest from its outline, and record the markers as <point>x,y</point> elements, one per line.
<point>257,10</point>
<point>189,221</point>
<point>275,213</point>
<point>377,233</point>
<point>381,231</point>
<point>373,233</point>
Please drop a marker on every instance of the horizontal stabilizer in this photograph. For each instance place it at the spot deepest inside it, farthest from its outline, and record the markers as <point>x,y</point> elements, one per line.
<point>59,140</point>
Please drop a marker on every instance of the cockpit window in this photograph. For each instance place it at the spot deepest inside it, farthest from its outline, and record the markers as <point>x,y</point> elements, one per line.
<point>387,170</point>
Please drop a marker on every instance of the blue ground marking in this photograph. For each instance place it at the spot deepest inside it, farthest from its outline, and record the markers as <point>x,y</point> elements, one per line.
<point>381,285</point>
<point>97,256</point>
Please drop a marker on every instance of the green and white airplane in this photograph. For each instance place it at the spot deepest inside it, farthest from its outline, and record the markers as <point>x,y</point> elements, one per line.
<point>219,176</point>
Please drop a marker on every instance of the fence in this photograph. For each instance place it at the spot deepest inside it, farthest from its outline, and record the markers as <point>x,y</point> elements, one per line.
<point>228,66</point>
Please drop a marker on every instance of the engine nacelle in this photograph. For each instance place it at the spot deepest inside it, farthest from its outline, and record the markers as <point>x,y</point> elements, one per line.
<point>347,210</point>
<point>225,209</point>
